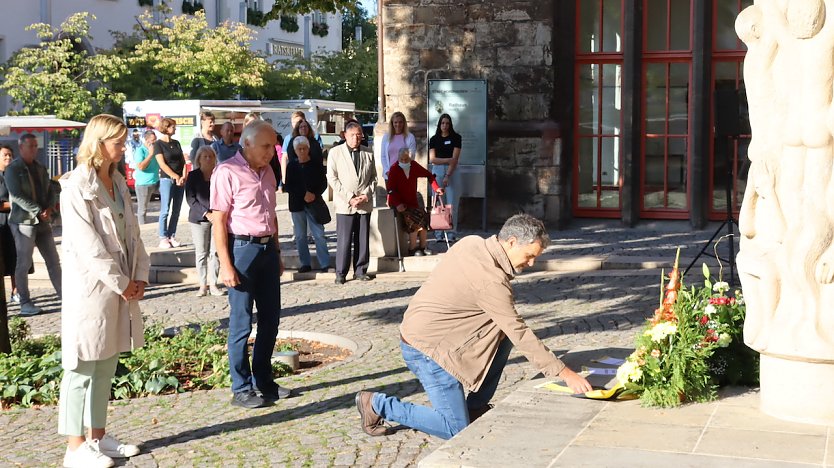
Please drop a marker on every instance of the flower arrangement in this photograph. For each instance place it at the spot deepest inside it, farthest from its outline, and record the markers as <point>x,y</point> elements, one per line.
<point>692,345</point>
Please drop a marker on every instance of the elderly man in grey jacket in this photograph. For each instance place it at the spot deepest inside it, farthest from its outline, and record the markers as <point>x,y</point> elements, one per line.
<point>351,172</point>
<point>33,199</point>
<point>458,332</point>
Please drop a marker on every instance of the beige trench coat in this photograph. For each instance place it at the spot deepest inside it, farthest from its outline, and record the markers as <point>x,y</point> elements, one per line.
<point>96,323</point>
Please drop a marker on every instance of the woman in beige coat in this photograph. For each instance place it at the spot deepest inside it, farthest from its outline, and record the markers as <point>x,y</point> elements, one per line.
<point>106,270</point>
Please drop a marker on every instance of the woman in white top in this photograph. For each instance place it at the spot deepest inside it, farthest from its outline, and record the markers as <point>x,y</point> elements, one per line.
<point>398,137</point>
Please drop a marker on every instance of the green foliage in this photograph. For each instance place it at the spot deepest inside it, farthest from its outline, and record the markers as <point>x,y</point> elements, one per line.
<point>193,359</point>
<point>59,76</point>
<point>309,6</point>
<point>289,23</point>
<point>687,355</point>
<point>349,75</point>
<point>358,16</point>
<point>320,29</point>
<point>181,57</point>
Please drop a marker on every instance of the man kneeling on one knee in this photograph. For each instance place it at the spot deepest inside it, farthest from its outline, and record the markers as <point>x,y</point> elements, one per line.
<point>459,330</point>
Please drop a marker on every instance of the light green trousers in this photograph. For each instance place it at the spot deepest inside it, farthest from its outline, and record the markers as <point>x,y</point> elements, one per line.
<point>85,392</point>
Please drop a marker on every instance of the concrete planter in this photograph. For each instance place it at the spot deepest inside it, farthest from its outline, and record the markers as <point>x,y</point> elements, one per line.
<point>289,358</point>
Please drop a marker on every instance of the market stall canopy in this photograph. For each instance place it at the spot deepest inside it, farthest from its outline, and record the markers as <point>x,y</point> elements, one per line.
<point>36,123</point>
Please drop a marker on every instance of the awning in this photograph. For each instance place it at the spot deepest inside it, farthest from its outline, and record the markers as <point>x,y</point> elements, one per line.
<point>36,123</point>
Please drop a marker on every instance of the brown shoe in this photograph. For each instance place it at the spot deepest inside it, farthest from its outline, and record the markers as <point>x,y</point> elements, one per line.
<point>372,423</point>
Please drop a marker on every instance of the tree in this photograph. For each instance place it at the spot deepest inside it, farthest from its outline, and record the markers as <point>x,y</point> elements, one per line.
<point>308,6</point>
<point>182,57</point>
<point>60,76</point>
<point>349,75</point>
<point>353,17</point>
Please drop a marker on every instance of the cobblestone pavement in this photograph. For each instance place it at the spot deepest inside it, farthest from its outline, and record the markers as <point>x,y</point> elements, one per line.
<point>321,426</point>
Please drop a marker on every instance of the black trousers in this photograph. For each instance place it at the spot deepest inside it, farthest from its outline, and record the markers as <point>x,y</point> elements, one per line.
<point>352,237</point>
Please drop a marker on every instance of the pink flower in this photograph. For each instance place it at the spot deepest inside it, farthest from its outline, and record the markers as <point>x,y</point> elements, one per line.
<point>655,353</point>
<point>704,320</point>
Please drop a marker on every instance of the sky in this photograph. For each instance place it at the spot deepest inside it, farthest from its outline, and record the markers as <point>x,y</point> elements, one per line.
<point>369,6</point>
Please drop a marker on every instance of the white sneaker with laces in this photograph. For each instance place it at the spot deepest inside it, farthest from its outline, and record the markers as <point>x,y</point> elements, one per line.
<point>87,455</point>
<point>111,447</point>
<point>174,242</point>
<point>164,243</point>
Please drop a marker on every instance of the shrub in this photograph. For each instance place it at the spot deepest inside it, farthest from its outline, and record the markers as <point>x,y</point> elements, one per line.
<point>193,359</point>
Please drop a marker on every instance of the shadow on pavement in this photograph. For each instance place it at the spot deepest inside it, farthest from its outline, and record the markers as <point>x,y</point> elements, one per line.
<point>280,416</point>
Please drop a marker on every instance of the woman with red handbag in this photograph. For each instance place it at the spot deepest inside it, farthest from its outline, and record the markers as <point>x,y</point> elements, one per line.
<point>402,196</point>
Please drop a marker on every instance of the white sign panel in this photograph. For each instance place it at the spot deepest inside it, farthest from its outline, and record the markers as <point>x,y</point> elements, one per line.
<point>466,103</point>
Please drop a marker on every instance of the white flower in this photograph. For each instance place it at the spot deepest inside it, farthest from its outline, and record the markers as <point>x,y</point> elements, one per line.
<point>709,310</point>
<point>720,287</point>
<point>724,340</point>
<point>661,331</point>
<point>629,371</point>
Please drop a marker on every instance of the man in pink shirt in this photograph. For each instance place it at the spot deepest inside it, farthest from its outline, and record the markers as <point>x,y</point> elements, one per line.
<point>245,231</point>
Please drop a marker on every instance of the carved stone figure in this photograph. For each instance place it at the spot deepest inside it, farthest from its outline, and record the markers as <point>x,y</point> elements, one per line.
<point>786,261</point>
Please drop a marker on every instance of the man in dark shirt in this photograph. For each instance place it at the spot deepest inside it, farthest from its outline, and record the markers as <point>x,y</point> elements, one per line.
<point>33,200</point>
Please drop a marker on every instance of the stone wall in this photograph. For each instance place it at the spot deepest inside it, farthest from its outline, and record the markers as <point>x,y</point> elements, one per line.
<point>510,44</point>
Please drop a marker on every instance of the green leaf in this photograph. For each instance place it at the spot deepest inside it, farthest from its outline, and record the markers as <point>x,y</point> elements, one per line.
<point>705,270</point>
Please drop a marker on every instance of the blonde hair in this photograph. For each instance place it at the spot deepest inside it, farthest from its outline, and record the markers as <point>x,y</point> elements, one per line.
<point>100,128</point>
<point>200,153</point>
<point>391,124</point>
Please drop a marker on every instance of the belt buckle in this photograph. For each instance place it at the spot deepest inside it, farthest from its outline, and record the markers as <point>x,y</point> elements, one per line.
<point>263,240</point>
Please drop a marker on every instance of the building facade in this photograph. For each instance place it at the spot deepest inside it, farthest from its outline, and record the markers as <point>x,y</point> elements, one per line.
<point>317,32</point>
<point>630,109</point>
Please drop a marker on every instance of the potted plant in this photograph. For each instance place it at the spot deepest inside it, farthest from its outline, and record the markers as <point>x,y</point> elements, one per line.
<point>320,29</point>
<point>289,23</point>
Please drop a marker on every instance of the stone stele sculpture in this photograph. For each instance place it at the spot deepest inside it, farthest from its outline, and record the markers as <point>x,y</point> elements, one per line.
<point>786,260</point>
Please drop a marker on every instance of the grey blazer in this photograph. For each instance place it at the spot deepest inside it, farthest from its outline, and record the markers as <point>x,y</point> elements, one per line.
<point>25,207</point>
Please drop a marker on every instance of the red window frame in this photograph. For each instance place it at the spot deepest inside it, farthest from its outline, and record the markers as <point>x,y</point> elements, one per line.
<point>582,59</point>
<point>667,57</point>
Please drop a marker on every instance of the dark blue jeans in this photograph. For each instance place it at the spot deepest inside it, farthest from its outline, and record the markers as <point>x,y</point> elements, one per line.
<point>449,411</point>
<point>259,273</point>
<point>170,201</point>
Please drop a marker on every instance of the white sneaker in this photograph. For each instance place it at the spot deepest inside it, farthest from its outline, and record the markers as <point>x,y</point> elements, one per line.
<point>215,291</point>
<point>29,309</point>
<point>111,447</point>
<point>87,456</point>
<point>14,299</point>
<point>164,243</point>
<point>174,242</point>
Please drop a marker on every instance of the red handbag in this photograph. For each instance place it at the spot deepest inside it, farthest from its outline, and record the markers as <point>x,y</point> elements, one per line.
<point>441,214</point>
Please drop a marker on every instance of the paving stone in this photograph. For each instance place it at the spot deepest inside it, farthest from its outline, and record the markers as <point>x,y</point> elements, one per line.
<point>321,426</point>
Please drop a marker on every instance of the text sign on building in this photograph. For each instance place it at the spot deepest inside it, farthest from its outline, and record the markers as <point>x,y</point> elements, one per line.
<point>466,103</point>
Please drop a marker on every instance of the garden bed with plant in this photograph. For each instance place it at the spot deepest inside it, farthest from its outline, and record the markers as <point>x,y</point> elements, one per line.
<point>194,358</point>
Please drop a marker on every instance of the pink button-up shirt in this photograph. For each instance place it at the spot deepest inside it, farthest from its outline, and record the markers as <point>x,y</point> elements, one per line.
<point>247,195</point>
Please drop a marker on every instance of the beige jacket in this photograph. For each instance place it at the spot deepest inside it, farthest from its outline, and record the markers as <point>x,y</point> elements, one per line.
<point>96,323</point>
<point>341,175</point>
<point>466,307</point>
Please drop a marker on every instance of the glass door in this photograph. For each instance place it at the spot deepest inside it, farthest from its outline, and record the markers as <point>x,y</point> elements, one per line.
<point>597,133</point>
<point>667,64</point>
<point>729,163</point>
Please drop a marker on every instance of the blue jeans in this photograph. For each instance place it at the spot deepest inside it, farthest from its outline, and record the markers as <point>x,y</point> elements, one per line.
<point>170,201</point>
<point>449,411</point>
<point>301,220</point>
<point>259,273</point>
<point>450,197</point>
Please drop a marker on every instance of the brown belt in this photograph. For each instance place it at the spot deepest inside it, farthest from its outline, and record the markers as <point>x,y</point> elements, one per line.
<point>404,341</point>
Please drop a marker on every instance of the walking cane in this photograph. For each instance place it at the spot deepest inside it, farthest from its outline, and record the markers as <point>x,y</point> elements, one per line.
<point>397,231</point>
